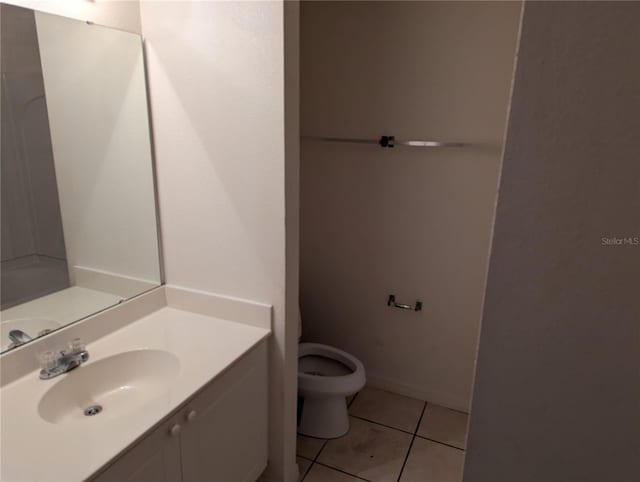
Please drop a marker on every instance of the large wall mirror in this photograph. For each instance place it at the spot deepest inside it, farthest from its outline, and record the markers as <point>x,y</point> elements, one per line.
<point>78,219</point>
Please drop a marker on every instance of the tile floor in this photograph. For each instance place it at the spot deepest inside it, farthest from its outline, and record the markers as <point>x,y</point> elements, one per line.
<point>392,439</point>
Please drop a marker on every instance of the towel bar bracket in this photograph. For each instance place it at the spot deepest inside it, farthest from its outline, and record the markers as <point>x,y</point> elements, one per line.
<point>391,301</point>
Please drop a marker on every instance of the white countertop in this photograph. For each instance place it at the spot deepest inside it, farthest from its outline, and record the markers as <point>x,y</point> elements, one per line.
<point>34,450</point>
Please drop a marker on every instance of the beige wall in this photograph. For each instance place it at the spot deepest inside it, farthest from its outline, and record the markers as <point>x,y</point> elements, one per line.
<point>557,392</point>
<point>216,73</point>
<point>413,222</point>
<point>122,14</point>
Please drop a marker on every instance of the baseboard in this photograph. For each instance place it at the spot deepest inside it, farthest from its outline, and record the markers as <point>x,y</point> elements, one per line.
<point>117,284</point>
<point>439,398</point>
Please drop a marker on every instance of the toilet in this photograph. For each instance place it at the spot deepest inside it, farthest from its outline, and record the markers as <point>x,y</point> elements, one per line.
<point>326,377</point>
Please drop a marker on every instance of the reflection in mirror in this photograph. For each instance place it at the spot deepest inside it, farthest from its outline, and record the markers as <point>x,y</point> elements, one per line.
<point>78,217</point>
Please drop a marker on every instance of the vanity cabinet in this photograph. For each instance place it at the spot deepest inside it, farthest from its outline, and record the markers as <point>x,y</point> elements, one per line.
<point>155,458</point>
<point>219,435</point>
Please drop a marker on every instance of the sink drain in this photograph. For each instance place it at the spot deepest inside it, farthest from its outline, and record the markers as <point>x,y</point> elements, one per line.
<point>92,410</point>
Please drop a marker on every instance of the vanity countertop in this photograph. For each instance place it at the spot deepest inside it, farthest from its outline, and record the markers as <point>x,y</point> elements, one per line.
<point>36,450</point>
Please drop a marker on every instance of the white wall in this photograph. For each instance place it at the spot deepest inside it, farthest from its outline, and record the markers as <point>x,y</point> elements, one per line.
<point>216,74</point>
<point>557,390</point>
<point>96,98</point>
<point>412,222</point>
<point>122,14</point>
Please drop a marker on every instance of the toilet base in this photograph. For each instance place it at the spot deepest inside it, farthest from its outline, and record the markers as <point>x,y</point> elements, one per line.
<point>324,417</point>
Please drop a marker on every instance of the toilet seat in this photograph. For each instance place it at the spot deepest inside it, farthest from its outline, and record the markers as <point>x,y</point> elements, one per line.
<point>319,385</point>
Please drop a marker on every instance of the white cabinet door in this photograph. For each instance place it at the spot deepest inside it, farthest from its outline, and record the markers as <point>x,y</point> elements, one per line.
<point>225,439</point>
<point>156,458</point>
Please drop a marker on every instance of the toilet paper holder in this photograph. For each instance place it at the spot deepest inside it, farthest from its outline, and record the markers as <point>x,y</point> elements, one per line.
<point>391,301</point>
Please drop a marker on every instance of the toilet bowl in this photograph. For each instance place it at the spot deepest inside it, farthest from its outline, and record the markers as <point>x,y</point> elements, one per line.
<point>326,376</point>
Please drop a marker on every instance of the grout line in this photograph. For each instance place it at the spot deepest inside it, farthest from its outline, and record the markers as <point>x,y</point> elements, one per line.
<point>438,442</point>
<point>382,424</point>
<point>315,460</point>
<point>413,438</point>
<point>424,409</point>
<point>342,471</point>
<point>405,431</point>
<point>306,472</point>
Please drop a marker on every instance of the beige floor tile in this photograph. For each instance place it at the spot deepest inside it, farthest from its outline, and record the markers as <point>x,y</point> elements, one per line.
<point>368,450</point>
<point>388,408</point>
<point>303,466</point>
<point>444,425</point>
<point>319,473</point>
<point>308,446</point>
<point>433,462</point>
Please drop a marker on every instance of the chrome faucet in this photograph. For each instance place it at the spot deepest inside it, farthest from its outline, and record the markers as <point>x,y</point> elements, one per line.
<point>18,337</point>
<point>57,363</point>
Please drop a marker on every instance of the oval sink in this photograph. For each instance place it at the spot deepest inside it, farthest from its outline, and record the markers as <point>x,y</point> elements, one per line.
<point>110,387</point>
<point>31,326</point>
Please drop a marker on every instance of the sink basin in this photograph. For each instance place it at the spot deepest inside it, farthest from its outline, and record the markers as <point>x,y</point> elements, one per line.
<point>109,387</point>
<point>31,326</point>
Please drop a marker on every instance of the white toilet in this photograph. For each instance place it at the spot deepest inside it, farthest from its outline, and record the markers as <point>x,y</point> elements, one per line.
<point>326,376</point>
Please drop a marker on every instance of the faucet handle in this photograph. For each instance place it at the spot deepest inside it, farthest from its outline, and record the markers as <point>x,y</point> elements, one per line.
<point>76,346</point>
<point>48,360</point>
